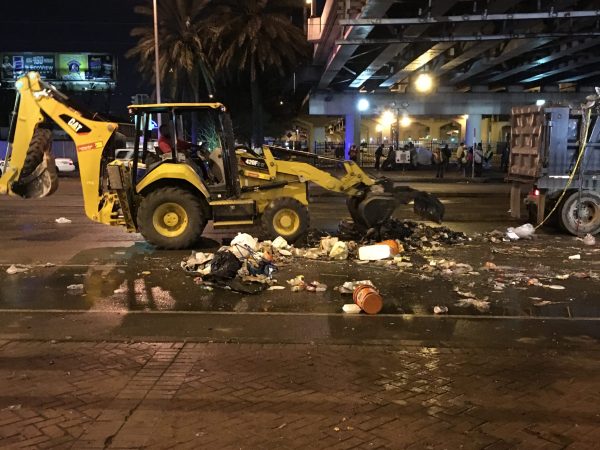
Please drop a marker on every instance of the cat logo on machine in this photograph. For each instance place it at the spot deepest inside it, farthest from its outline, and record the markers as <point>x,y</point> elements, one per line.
<point>74,124</point>
<point>254,163</point>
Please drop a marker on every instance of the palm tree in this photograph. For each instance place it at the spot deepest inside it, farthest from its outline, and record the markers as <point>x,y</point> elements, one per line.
<point>183,65</point>
<point>253,38</point>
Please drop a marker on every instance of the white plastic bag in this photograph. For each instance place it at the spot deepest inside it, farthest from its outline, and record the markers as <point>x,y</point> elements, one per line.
<point>243,245</point>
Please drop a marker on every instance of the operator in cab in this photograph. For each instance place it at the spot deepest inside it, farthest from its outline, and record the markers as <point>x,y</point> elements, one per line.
<point>165,141</point>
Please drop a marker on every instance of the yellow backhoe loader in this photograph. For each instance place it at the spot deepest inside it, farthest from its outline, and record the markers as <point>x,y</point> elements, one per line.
<point>169,197</point>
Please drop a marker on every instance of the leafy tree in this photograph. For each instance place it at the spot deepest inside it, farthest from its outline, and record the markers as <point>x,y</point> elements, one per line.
<point>253,38</point>
<point>184,69</point>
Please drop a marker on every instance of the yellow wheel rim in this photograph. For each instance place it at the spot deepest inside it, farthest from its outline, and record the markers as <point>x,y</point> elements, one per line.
<point>170,220</point>
<point>286,222</point>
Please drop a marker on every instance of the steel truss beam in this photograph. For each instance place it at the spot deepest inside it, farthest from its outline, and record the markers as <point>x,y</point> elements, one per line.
<point>471,18</point>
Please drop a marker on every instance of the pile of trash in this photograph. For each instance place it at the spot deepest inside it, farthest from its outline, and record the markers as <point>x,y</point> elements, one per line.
<point>248,266</point>
<point>412,234</point>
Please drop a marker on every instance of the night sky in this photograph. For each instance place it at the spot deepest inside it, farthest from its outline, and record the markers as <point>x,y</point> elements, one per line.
<point>75,26</point>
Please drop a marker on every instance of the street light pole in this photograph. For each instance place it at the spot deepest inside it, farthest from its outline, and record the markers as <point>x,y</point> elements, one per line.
<point>156,68</point>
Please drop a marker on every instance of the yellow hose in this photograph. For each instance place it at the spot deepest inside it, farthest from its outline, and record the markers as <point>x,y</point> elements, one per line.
<point>584,143</point>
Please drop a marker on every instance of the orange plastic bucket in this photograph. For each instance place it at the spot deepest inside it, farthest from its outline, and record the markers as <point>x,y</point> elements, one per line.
<point>368,299</point>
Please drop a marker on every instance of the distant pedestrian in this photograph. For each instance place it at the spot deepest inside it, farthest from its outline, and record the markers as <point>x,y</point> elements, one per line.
<point>339,151</point>
<point>478,160</point>
<point>488,155</point>
<point>505,158</point>
<point>438,160</point>
<point>461,157</point>
<point>378,155</point>
<point>446,155</point>
<point>353,153</point>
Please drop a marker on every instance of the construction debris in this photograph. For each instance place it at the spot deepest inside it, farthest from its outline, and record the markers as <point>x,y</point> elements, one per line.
<point>440,309</point>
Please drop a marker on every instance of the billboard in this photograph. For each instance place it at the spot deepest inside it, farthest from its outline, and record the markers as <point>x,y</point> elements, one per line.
<point>78,69</point>
<point>17,65</point>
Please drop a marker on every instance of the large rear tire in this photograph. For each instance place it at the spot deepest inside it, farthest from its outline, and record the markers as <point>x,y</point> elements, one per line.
<point>46,182</point>
<point>40,144</point>
<point>285,217</point>
<point>589,222</point>
<point>171,218</point>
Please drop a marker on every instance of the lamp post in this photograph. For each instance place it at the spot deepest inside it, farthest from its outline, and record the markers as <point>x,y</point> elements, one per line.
<point>156,68</point>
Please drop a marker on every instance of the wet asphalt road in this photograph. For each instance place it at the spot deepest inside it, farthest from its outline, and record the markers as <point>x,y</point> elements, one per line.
<point>121,273</point>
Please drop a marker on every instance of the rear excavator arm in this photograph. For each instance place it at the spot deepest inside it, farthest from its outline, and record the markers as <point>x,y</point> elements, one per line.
<point>30,170</point>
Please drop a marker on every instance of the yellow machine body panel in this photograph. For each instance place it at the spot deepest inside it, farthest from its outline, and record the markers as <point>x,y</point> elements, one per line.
<point>171,171</point>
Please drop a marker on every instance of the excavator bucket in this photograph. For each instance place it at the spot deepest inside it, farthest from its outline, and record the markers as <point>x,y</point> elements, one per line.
<point>38,177</point>
<point>377,204</point>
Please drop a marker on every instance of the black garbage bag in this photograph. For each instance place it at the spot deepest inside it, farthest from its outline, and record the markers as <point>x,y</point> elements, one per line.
<point>224,266</point>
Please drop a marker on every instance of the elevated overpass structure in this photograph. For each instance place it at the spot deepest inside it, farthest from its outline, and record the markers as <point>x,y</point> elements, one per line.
<point>482,56</point>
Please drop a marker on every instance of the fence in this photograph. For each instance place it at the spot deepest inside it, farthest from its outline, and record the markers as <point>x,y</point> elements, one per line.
<point>367,151</point>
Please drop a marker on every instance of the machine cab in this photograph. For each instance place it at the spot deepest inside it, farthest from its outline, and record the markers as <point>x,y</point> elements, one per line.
<point>198,135</point>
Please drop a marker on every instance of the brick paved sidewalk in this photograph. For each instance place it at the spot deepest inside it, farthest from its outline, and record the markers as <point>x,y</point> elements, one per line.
<point>174,395</point>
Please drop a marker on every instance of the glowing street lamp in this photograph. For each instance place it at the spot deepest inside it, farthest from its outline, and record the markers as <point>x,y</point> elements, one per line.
<point>387,118</point>
<point>424,82</point>
<point>405,121</point>
<point>362,105</point>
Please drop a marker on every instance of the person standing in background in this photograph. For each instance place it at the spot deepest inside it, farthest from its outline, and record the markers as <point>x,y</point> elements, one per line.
<point>378,155</point>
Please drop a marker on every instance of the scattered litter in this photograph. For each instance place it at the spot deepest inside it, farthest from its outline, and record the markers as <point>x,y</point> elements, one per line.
<point>75,288</point>
<point>490,266</point>
<point>588,239</point>
<point>374,252</point>
<point>224,265</point>
<point>297,283</point>
<point>440,309</point>
<point>367,298</point>
<point>573,257</point>
<point>394,246</point>
<point>541,302</point>
<point>327,243</point>
<point>146,272</point>
<point>198,262</point>
<point>556,287</point>
<point>120,291</point>
<point>339,251</point>
<point>17,268</point>
<point>510,234</point>
<point>480,305</point>
<point>562,277</point>
<point>349,286</point>
<point>523,232</point>
<point>315,286</point>
<point>12,407</point>
<point>351,308</point>
<point>284,252</point>
<point>243,245</point>
<point>275,288</point>
<point>63,220</point>
<point>279,243</point>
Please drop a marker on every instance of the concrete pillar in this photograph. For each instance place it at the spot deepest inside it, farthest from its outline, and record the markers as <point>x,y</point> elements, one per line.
<point>473,132</point>
<point>352,134</point>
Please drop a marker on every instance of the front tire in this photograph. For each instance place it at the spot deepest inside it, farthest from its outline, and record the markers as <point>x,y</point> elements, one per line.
<point>285,217</point>
<point>589,222</point>
<point>171,218</point>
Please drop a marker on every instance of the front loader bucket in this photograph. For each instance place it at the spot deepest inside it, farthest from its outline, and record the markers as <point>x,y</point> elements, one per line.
<point>38,177</point>
<point>374,207</point>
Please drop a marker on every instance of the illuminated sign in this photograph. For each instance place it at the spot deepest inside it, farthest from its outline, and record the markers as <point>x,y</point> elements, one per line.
<point>77,70</point>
